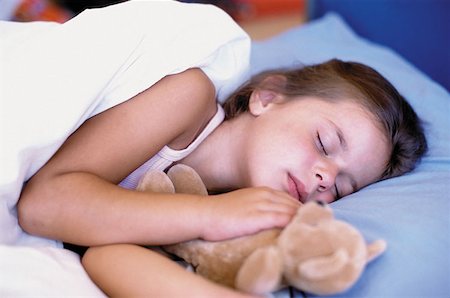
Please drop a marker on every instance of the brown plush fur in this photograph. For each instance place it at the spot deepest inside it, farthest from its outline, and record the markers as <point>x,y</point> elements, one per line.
<point>315,252</point>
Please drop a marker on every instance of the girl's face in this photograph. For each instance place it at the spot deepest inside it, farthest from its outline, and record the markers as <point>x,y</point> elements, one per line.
<point>311,148</point>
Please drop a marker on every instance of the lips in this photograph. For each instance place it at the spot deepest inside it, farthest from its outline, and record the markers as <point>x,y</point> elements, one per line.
<point>296,189</point>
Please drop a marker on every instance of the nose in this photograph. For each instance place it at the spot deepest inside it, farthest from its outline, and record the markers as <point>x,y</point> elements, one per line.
<point>326,176</point>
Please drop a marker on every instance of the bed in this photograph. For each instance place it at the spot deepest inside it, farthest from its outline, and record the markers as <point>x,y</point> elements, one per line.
<point>412,212</point>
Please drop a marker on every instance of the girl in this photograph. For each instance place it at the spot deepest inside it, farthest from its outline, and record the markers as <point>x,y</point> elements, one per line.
<point>316,133</point>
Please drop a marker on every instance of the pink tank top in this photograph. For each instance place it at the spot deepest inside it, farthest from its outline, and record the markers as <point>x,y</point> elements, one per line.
<point>167,156</point>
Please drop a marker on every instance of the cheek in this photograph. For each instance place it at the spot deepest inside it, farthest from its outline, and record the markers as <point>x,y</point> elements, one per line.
<point>260,162</point>
<point>275,151</point>
<point>268,163</point>
<point>307,157</point>
<point>270,167</point>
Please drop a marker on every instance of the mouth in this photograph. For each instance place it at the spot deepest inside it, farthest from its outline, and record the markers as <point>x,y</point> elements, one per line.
<point>296,189</point>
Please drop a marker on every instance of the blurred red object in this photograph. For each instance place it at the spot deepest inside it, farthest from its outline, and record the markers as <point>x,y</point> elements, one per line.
<point>246,10</point>
<point>41,10</point>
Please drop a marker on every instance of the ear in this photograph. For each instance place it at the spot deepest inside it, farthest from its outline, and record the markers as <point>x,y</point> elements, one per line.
<point>263,96</point>
<point>186,180</point>
<point>320,268</point>
<point>155,181</point>
<point>375,249</point>
<point>261,272</point>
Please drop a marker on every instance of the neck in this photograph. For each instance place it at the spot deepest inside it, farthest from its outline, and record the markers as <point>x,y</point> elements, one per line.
<point>218,159</point>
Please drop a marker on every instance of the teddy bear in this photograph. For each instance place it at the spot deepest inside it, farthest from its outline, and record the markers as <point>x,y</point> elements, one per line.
<point>315,252</point>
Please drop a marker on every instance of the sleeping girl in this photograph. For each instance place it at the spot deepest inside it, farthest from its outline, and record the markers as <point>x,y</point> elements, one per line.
<point>285,137</point>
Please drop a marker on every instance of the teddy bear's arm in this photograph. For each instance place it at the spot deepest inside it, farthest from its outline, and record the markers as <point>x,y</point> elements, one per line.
<point>375,249</point>
<point>261,272</point>
<point>322,267</point>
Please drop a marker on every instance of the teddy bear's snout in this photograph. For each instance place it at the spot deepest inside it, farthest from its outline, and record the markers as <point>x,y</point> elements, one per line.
<point>321,203</point>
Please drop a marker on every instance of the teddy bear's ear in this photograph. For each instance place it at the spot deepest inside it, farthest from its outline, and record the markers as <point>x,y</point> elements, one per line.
<point>156,181</point>
<point>261,272</point>
<point>186,180</point>
<point>320,268</point>
<point>375,249</point>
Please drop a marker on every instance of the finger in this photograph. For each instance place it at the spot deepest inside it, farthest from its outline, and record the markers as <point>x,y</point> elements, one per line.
<point>288,196</point>
<point>270,193</point>
<point>277,208</point>
<point>285,198</point>
<point>283,204</point>
<point>275,220</point>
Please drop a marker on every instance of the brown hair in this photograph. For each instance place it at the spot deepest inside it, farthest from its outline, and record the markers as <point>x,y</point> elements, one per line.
<point>337,80</point>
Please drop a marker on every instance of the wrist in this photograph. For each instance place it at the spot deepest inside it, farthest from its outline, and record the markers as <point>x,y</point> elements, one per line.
<point>206,217</point>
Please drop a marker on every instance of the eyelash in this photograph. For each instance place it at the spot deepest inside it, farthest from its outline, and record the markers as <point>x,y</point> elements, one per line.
<point>326,154</point>
<point>321,144</point>
<point>338,196</point>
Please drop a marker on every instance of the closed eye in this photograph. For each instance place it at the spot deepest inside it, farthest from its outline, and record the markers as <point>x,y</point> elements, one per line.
<point>338,196</point>
<point>321,144</point>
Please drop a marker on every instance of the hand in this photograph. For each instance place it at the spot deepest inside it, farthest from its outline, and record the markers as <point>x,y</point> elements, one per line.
<point>247,211</point>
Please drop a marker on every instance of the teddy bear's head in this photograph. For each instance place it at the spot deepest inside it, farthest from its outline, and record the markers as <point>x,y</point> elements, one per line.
<point>333,253</point>
<point>315,252</point>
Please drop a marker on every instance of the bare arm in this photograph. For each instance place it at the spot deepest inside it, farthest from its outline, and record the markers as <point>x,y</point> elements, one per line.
<point>133,271</point>
<point>74,197</point>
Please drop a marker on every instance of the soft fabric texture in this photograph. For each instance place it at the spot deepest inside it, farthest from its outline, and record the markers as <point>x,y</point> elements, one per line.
<point>57,76</point>
<point>412,212</point>
<point>43,271</point>
<point>54,77</point>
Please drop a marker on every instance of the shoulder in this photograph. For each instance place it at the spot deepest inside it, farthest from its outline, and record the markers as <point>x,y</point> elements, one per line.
<point>195,103</point>
<point>195,92</point>
<point>200,101</point>
<point>184,93</point>
<point>195,82</point>
<point>120,139</point>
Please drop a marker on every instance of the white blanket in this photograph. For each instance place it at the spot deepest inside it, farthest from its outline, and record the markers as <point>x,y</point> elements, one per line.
<point>53,77</point>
